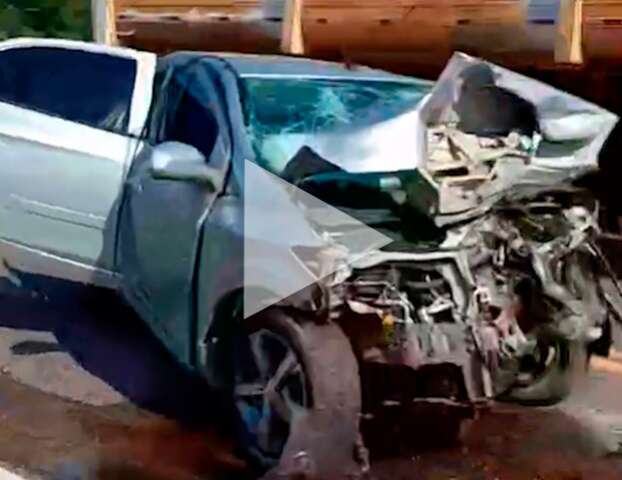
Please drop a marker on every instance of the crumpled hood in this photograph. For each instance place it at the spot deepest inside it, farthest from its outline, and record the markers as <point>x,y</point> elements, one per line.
<point>472,173</point>
<point>569,134</point>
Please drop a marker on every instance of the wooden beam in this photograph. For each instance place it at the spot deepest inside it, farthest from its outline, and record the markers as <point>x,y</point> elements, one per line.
<point>111,22</point>
<point>103,14</point>
<point>183,5</point>
<point>292,38</point>
<point>569,39</point>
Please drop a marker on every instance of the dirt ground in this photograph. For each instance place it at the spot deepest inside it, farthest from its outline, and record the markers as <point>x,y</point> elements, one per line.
<point>86,392</point>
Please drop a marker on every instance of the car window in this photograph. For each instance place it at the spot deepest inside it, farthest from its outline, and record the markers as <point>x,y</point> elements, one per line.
<point>188,117</point>
<point>318,105</point>
<point>80,86</point>
<point>331,116</point>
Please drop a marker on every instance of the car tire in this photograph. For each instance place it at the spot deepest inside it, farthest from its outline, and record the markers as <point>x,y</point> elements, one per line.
<point>555,382</point>
<point>296,391</point>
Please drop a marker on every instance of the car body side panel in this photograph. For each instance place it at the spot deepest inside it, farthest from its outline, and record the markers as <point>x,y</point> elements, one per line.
<point>160,226</point>
<point>61,181</point>
<point>60,185</point>
<point>219,275</point>
<point>161,231</point>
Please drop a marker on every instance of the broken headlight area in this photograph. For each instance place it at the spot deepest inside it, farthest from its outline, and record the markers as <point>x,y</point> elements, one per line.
<point>408,323</point>
<point>534,269</point>
<point>455,326</point>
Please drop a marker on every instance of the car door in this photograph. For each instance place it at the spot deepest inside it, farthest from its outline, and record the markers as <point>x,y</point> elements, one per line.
<point>162,219</point>
<point>70,117</point>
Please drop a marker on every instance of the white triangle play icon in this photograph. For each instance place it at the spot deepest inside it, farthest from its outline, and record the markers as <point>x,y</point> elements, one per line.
<point>284,250</point>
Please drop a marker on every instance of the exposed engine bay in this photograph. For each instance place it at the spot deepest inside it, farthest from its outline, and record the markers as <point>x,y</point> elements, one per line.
<point>484,298</point>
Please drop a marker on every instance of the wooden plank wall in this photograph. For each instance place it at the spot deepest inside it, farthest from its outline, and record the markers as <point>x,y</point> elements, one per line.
<point>602,29</point>
<point>397,34</point>
<point>404,32</point>
<point>183,6</point>
<point>524,32</point>
<point>167,25</point>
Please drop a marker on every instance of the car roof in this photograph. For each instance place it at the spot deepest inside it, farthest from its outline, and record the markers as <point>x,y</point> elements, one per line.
<point>249,65</point>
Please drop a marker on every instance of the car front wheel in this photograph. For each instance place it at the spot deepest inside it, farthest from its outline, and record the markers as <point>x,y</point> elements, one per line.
<point>548,376</point>
<point>296,392</point>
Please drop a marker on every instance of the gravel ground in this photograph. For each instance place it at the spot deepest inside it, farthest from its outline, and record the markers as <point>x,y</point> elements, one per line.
<point>87,392</point>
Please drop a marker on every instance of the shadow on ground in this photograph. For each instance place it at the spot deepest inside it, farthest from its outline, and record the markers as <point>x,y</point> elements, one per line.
<point>107,339</point>
<point>171,426</point>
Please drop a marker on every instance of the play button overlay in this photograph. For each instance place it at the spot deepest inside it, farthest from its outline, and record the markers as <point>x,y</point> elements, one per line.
<point>286,249</point>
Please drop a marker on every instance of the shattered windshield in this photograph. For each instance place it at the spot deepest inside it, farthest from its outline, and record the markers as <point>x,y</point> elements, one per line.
<point>284,115</point>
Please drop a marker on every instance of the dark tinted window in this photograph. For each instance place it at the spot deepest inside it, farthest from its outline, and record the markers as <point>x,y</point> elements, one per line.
<point>85,87</point>
<point>188,117</point>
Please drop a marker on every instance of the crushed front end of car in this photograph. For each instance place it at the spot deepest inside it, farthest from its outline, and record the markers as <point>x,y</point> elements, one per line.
<point>494,291</point>
<point>490,286</point>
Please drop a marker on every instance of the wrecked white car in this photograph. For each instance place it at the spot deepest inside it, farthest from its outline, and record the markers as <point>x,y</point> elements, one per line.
<point>127,172</point>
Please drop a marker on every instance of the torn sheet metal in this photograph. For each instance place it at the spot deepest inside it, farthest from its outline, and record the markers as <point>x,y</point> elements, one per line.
<point>480,134</point>
<point>503,131</point>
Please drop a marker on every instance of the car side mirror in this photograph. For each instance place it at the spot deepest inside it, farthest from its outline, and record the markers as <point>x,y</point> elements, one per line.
<point>178,161</point>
